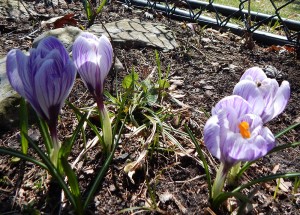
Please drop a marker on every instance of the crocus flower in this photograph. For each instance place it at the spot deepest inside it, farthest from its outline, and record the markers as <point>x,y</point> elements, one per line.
<point>93,58</point>
<point>265,96</point>
<point>234,134</point>
<point>44,78</point>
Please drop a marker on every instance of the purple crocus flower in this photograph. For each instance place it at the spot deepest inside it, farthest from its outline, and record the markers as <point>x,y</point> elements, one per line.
<point>44,78</point>
<point>93,58</point>
<point>265,96</point>
<point>233,133</point>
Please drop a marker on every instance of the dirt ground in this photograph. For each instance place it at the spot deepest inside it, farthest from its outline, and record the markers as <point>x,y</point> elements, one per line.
<point>210,63</point>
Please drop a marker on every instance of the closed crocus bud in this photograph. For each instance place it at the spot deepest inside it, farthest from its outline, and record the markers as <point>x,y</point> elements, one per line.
<point>233,133</point>
<point>93,59</point>
<point>44,77</point>
<point>264,94</point>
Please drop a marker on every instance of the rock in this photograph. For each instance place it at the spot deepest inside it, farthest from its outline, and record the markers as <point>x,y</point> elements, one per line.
<point>130,33</point>
<point>13,9</point>
<point>133,33</point>
<point>66,35</point>
<point>9,101</point>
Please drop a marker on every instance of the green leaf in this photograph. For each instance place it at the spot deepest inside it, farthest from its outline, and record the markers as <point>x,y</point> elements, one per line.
<point>267,178</point>
<point>53,171</point>
<point>163,84</point>
<point>17,154</point>
<point>287,129</point>
<point>72,179</point>
<point>24,125</point>
<point>106,129</point>
<point>129,80</point>
<point>88,9</point>
<point>147,85</point>
<point>225,195</point>
<point>157,59</point>
<point>67,146</point>
<point>90,193</point>
<point>100,7</point>
<point>45,134</point>
<point>152,96</point>
<point>93,127</point>
<point>201,155</point>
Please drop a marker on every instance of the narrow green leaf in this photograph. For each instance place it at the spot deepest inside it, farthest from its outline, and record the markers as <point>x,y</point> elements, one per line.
<point>53,171</point>
<point>286,130</point>
<point>266,178</point>
<point>285,146</point>
<point>201,155</point>
<point>18,154</point>
<point>163,84</point>
<point>24,125</point>
<point>225,195</point>
<point>72,179</point>
<point>67,146</point>
<point>45,134</point>
<point>129,80</point>
<point>100,6</point>
<point>90,193</point>
<point>157,59</point>
<point>106,129</point>
<point>93,127</point>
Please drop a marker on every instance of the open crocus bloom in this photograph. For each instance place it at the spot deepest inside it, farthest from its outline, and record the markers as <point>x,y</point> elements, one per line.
<point>44,78</point>
<point>93,58</point>
<point>265,96</point>
<point>233,133</point>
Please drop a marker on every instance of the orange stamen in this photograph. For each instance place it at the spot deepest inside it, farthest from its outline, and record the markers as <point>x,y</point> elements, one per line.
<point>244,129</point>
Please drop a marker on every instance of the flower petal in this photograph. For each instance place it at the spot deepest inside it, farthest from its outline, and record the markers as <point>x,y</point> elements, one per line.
<point>235,102</point>
<point>212,136</point>
<point>255,74</point>
<point>249,91</point>
<point>50,43</point>
<point>15,65</point>
<point>279,102</point>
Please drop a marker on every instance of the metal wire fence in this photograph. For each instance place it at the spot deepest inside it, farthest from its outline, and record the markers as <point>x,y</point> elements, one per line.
<point>286,31</point>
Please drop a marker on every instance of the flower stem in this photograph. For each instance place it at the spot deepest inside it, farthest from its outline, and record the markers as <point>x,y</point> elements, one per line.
<point>55,143</point>
<point>219,181</point>
<point>232,176</point>
<point>106,126</point>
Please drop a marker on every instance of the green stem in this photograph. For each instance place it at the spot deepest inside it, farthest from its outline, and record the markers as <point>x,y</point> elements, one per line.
<point>219,181</point>
<point>106,127</point>
<point>232,176</point>
<point>55,143</point>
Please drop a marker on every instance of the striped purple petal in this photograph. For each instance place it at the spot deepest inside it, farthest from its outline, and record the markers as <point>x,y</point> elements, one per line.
<point>44,78</point>
<point>93,59</point>
<point>233,133</point>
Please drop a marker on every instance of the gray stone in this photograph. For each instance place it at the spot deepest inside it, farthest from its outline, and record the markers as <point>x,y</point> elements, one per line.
<point>133,33</point>
<point>9,101</point>
<point>66,35</point>
<point>130,33</point>
<point>13,9</point>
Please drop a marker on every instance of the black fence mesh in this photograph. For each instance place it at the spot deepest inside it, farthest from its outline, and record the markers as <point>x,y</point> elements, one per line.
<point>285,31</point>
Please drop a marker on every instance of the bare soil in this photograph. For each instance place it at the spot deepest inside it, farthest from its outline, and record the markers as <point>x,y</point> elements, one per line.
<point>210,62</point>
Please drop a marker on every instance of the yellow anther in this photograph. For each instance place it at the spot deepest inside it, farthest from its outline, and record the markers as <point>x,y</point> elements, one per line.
<point>244,129</point>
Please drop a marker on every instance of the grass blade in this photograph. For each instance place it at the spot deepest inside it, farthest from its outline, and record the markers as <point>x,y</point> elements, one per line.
<point>103,170</point>
<point>23,125</point>
<point>201,155</point>
<point>286,130</point>
<point>53,171</point>
<point>18,154</point>
<point>266,178</point>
